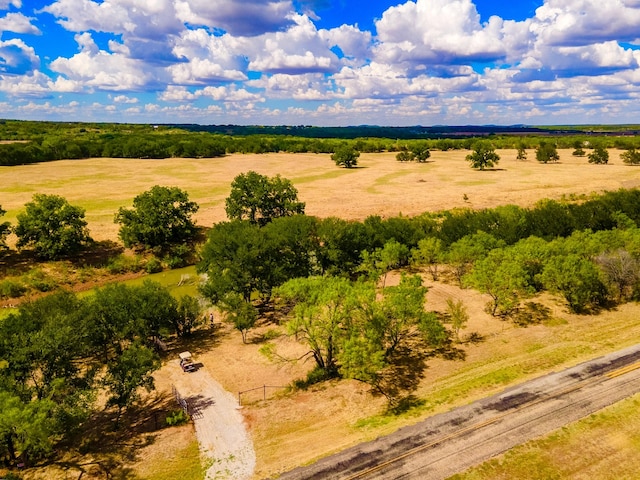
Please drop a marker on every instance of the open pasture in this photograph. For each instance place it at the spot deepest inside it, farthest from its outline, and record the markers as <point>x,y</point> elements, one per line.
<point>379,186</point>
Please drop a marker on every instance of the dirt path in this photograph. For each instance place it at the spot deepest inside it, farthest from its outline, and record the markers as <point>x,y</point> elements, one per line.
<point>225,444</point>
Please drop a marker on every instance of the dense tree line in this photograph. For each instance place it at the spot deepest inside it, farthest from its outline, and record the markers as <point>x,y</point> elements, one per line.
<point>58,352</point>
<point>48,141</point>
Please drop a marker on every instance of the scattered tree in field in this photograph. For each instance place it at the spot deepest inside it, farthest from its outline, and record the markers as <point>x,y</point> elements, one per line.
<point>429,252</point>
<point>5,230</point>
<point>579,151</point>
<point>421,152</point>
<point>522,152</point>
<point>458,316</point>
<point>418,152</point>
<point>483,156</point>
<point>631,156</point>
<point>52,227</point>
<point>259,199</point>
<point>547,152</point>
<point>160,218</point>
<point>404,156</point>
<point>599,156</point>
<point>346,156</point>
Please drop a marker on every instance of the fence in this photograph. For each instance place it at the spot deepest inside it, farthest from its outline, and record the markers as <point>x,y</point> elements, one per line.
<point>264,392</point>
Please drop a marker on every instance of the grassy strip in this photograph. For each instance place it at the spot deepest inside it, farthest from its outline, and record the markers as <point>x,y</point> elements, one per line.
<point>185,465</point>
<point>602,446</point>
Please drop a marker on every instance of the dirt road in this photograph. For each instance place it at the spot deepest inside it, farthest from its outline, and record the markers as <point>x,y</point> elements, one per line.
<point>452,442</point>
<point>225,445</point>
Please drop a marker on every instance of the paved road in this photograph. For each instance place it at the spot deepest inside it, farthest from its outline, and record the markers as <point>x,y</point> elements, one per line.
<point>452,442</point>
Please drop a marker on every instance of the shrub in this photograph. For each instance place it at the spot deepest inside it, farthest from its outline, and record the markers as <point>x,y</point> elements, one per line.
<point>153,265</point>
<point>124,264</point>
<point>11,289</point>
<point>177,417</point>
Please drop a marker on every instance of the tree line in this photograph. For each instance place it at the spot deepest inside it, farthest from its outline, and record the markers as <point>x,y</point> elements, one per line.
<point>31,142</point>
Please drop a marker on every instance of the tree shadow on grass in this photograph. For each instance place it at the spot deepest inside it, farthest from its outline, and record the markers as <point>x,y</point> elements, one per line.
<point>99,450</point>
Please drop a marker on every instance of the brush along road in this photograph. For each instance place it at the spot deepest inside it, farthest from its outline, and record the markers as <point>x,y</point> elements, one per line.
<point>449,443</point>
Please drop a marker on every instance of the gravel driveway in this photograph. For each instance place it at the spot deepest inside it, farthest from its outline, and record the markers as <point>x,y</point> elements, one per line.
<point>224,441</point>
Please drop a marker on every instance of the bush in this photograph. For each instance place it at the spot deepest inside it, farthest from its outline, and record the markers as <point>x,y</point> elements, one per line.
<point>40,281</point>
<point>11,289</point>
<point>177,417</point>
<point>124,264</point>
<point>153,265</point>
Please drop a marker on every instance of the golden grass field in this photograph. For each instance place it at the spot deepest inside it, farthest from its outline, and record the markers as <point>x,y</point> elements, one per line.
<point>379,186</point>
<point>289,430</point>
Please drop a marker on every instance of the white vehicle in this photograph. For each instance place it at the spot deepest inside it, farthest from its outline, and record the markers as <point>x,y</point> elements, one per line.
<point>186,362</point>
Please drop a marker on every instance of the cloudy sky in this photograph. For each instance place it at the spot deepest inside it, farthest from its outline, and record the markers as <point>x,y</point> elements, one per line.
<point>321,62</point>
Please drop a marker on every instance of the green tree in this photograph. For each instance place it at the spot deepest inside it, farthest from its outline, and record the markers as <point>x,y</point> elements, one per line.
<point>599,156</point>
<point>323,308</point>
<point>52,227</point>
<point>470,248</point>
<point>458,316</point>
<point>483,156</point>
<point>429,252</point>
<point>239,312</point>
<point>420,152</point>
<point>631,156</point>
<point>127,374</point>
<point>27,429</point>
<point>501,277</point>
<point>578,150</point>
<point>5,230</point>
<point>346,156</point>
<point>189,315</point>
<point>160,218</point>
<point>405,156</point>
<point>259,199</point>
<point>577,279</point>
<point>382,260</point>
<point>522,152</point>
<point>546,152</point>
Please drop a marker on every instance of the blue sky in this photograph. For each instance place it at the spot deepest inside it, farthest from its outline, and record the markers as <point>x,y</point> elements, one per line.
<point>321,62</point>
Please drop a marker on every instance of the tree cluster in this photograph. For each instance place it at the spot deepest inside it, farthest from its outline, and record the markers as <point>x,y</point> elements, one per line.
<point>58,352</point>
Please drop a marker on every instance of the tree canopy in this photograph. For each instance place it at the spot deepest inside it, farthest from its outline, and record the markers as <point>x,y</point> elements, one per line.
<point>52,227</point>
<point>346,156</point>
<point>483,156</point>
<point>160,217</point>
<point>547,152</point>
<point>259,199</point>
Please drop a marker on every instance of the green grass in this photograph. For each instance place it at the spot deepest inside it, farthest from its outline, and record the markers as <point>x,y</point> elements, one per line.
<point>386,179</point>
<point>171,279</point>
<point>324,176</point>
<point>184,466</point>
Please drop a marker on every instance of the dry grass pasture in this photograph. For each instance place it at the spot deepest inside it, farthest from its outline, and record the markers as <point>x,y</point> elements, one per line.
<point>379,186</point>
<point>296,428</point>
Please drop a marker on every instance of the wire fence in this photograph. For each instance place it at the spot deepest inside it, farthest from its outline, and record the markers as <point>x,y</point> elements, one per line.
<point>255,394</point>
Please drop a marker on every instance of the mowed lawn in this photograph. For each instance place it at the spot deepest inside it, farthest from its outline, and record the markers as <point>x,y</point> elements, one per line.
<point>289,430</point>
